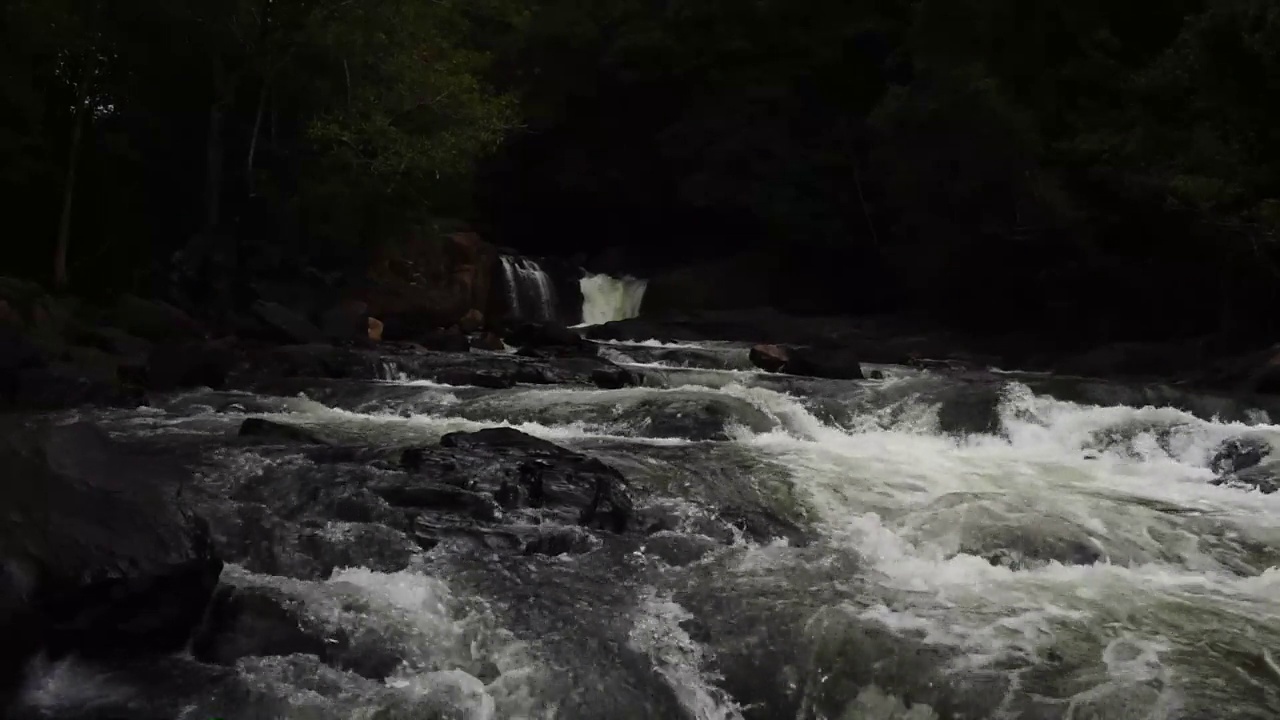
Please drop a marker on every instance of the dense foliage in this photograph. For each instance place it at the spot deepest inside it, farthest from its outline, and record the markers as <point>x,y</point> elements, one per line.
<point>998,159</point>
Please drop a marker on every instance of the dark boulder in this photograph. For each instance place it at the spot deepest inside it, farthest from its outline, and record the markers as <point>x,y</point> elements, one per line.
<point>488,341</point>
<point>829,363</point>
<point>1238,454</point>
<point>613,378</point>
<point>273,431</point>
<point>346,321</point>
<point>172,366</point>
<point>550,339</point>
<point>154,320</point>
<point>98,554</point>
<point>285,325</point>
<point>451,340</point>
<point>770,358</point>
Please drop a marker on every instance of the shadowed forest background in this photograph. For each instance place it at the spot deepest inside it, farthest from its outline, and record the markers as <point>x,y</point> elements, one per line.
<point>1105,169</point>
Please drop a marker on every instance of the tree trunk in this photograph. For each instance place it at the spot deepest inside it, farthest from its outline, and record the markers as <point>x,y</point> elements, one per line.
<point>61,280</point>
<point>253,138</point>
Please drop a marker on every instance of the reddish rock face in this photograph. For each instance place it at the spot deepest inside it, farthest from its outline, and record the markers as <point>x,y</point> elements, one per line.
<point>375,329</point>
<point>431,282</point>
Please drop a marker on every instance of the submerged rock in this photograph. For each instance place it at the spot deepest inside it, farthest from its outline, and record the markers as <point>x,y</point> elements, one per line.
<point>271,430</point>
<point>1238,454</point>
<point>99,555</point>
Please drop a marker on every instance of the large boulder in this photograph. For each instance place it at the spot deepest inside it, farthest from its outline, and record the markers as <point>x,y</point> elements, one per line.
<point>833,363</point>
<point>770,358</point>
<point>153,320</point>
<point>285,325</point>
<point>429,281</point>
<point>550,339</point>
<point>98,554</point>
<point>346,321</point>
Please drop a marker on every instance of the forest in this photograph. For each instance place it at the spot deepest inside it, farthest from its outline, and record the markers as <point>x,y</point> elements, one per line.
<point>1110,168</point>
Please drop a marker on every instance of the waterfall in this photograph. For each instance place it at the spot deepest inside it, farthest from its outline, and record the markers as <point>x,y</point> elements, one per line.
<point>530,295</point>
<point>606,298</point>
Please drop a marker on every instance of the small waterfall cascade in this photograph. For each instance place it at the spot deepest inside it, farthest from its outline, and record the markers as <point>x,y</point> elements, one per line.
<point>606,298</point>
<point>529,291</point>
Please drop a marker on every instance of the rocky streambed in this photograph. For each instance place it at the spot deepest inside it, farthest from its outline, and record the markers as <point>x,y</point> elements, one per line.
<point>662,531</point>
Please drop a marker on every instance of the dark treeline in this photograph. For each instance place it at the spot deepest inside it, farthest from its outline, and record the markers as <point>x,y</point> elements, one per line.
<point>1103,168</point>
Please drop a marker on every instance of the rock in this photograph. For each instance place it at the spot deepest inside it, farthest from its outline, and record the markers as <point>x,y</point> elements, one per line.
<point>270,430</point>
<point>98,555</point>
<point>154,320</point>
<point>829,363</point>
<point>63,385</point>
<point>374,329</point>
<point>556,477</point>
<point>451,340</point>
<point>428,280</point>
<point>770,358</point>
<point>471,322</point>
<point>172,366</point>
<point>1265,477</point>
<point>612,378</point>
<point>264,622</point>
<point>285,325</point>
<point>475,378</point>
<point>253,622</point>
<point>1238,454</point>
<point>544,334</point>
<point>562,541</point>
<point>346,321</point>
<point>488,341</point>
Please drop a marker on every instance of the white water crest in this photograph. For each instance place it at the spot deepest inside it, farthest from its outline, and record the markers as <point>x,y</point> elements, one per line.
<point>530,294</point>
<point>606,298</point>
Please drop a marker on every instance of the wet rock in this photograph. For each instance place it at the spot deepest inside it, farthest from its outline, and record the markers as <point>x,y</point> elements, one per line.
<point>472,321</point>
<point>770,358</point>
<point>1263,477</point>
<point>247,622</point>
<point>488,341</point>
<point>1238,454</point>
<point>562,541</point>
<point>451,340</point>
<point>413,493</point>
<point>347,320</point>
<point>154,320</point>
<point>285,325</point>
<point>474,378</point>
<point>374,329</point>
<point>172,366</point>
<point>550,340</point>
<point>273,431</point>
<point>613,378</point>
<point>828,363</point>
<point>679,549</point>
<point>100,556</point>
<point>66,385</point>
<point>253,622</point>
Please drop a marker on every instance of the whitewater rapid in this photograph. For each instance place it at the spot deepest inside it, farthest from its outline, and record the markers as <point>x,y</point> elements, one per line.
<point>1037,558</point>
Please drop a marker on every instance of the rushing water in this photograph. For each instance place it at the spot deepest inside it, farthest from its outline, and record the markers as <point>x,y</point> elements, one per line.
<point>606,298</point>
<point>961,552</point>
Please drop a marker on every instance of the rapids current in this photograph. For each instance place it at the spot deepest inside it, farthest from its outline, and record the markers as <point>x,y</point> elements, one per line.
<point>1037,550</point>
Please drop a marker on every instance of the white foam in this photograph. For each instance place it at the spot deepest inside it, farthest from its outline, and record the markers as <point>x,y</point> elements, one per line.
<point>607,299</point>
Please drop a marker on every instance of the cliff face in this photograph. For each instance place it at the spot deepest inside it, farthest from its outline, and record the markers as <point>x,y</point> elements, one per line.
<point>431,282</point>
